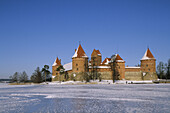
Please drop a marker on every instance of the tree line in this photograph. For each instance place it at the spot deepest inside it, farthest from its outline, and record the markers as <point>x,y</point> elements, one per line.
<point>37,76</point>
<point>163,70</point>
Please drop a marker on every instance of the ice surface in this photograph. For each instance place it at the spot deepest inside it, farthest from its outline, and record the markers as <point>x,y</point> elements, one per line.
<point>129,98</point>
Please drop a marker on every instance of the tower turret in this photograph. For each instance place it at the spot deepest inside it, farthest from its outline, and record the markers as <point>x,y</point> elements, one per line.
<point>55,65</point>
<point>148,62</point>
<point>118,66</point>
<point>96,58</point>
<point>148,66</point>
<point>80,61</point>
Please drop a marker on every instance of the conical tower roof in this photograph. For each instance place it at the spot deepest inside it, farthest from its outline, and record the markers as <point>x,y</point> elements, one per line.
<point>148,55</point>
<point>96,52</point>
<point>116,58</point>
<point>57,62</point>
<point>79,53</point>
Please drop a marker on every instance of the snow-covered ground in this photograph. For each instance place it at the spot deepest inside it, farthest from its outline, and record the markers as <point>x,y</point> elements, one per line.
<point>137,98</point>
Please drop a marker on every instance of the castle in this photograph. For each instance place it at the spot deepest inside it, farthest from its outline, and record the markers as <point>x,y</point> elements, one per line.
<point>110,69</point>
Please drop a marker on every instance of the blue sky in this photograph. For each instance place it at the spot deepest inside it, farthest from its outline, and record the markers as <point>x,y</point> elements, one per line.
<point>34,32</point>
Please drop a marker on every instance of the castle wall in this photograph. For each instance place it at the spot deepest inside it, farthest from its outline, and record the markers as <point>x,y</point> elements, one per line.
<point>130,75</point>
<point>100,69</point>
<point>150,76</point>
<point>106,75</point>
<point>132,69</point>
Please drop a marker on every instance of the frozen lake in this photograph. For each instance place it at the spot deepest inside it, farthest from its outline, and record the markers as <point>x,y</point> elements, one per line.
<point>143,98</point>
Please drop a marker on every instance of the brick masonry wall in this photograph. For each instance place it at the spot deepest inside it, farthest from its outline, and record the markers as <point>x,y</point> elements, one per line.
<point>133,76</point>
<point>132,69</point>
<point>79,65</point>
<point>106,75</point>
<point>148,66</point>
<point>121,70</point>
<point>150,76</point>
<point>96,59</point>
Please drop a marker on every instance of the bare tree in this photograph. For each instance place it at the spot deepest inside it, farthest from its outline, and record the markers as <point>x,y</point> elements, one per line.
<point>161,70</point>
<point>168,70</point>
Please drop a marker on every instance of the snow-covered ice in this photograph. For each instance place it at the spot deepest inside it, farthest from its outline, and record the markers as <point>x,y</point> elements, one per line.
<point>140,98</point>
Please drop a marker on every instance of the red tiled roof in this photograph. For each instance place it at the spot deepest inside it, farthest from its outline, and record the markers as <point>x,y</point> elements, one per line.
<point>105,60</point>
<point>118,57</point>
<point>80,52</point>
<point>98,52</point>
<point>58,61</point>
<point>149,54</point>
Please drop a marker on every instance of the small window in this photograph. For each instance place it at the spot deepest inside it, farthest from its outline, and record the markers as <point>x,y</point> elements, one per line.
<point>77,69</point>
<point>148,69</point>
<point>146,65</point>
<point>76,64</point>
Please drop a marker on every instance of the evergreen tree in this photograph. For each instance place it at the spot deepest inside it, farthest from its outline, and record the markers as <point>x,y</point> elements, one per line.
<point>45,71</point>
<point>60,69</point>
<point>36,77</point>
<point>23,77</point>
<point>15,77</point>
<point>168,70</point>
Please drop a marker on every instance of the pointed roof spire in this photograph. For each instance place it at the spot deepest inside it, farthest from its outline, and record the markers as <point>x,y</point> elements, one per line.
<point>79,52</point>
<point>97,51</point>
<point>116,58</point>
<point>57,62</point>
<point>147,55</point>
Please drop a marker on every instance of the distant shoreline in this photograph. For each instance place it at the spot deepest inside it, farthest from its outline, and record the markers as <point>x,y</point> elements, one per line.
<point>94,82</point>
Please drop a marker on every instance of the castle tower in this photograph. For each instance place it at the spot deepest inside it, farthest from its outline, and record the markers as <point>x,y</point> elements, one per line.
<point>148,62</point>
<point>96,58</point>
<point>55,65</point>
<point>119,66</point>
<point>79,61</point>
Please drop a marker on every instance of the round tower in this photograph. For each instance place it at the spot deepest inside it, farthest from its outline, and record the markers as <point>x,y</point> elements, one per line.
<point>148,62</point>
<point>119,66</point>
<point>79,61</point>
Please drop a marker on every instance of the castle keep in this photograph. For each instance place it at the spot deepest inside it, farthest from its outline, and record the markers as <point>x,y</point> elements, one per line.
<point>110,69</point>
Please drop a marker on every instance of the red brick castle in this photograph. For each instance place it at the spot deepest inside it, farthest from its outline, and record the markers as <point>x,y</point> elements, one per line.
<point>109,69</point>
